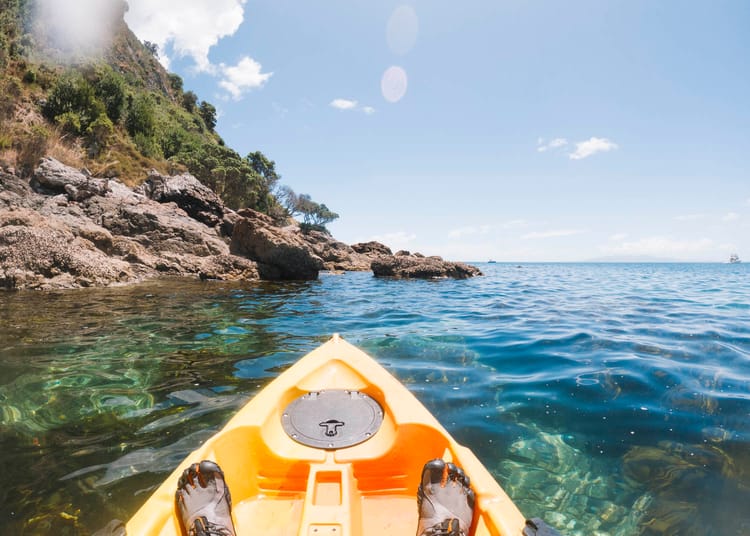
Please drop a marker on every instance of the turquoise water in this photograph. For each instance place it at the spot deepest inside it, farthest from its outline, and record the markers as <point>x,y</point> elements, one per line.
<point>606,398</point>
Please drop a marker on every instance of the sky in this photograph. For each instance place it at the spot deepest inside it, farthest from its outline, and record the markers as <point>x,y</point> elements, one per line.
<point>512,130</point>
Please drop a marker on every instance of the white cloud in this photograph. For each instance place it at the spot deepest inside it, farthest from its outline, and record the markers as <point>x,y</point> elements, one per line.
<point>396,240</point>
<point>731,216</point>
<point>470,230</point>
<point>590,147</point>
<point>350,104</point>
<point>190,28</point>
<point>552,144</point>
<point>552,233</point>
<point>242,77</point>
<point>514,224</point>
<point>660,246</point>
<point>618,236</point>
<point>344,104</point>
<point>690,217</point>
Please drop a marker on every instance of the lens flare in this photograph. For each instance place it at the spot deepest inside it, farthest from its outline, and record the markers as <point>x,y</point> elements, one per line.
<point>401,32</point>
<point>393,84</point>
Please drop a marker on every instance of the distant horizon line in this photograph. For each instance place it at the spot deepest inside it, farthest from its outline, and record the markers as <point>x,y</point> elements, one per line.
<point>594,261</point>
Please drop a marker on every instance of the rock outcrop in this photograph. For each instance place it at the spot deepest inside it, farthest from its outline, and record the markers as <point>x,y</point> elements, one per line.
<point>67,229</point>
<point>337,256</point>
<point>406,265</point>
<point>280,253</point>
<point>188,193</point>
<point>372,250</point>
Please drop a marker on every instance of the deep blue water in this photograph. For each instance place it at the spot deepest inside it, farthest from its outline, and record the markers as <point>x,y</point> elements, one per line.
<point>606,398</point>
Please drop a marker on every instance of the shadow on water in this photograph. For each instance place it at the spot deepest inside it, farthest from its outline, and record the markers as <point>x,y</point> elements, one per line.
<point>606,399</point>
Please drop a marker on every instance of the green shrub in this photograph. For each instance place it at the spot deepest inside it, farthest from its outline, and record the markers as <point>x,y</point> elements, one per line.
<point>29,77</point>
<point>99,134</point>
<point>172,142</point>
<point>69,122</point>
<point>72,94</point>
<point>141,117</point>
<point>147,145</point>
<point>110,89</point>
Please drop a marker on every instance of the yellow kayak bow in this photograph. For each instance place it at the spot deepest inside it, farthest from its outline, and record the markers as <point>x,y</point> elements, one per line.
<point>332,447</point>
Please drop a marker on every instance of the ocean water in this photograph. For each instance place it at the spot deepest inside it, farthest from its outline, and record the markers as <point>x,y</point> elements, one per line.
<point>606,398</point>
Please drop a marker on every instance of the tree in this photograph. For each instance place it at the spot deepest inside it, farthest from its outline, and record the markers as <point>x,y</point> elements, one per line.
<point>315,215</point>
<point>189,99</point>
<point>265,168</point>
<point>175,82</point>
<point>207,111</point>
<point>323,215</point>
<point>288,199</point>
<point>153,48</point>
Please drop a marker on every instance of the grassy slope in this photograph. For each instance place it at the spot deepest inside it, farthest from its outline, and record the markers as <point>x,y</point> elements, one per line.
<point>31,66</point>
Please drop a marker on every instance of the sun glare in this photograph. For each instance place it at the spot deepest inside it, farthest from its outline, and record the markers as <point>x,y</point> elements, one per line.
<point>393,84</point>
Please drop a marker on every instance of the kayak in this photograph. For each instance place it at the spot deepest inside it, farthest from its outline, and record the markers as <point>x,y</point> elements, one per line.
<point>334,446</point>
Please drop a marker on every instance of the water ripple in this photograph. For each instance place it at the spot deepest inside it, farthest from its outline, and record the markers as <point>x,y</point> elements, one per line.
<point>608,399</point>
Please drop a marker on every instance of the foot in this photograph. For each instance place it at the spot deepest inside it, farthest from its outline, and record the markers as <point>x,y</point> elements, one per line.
<point>445,501</point>
<point>204,502</point>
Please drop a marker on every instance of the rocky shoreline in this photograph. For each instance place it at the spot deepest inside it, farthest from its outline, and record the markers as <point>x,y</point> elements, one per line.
<point>63,228</point>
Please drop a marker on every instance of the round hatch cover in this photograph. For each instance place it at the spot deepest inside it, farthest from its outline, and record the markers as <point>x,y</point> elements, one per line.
<point>332,419</point>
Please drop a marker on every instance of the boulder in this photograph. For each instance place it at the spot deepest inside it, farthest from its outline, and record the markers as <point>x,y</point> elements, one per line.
<point>372,249</point>
<point>336,255</point>
<point>52,176</point>
<point>417,266</point>
<point>188,193</point>
<point>280,253</point>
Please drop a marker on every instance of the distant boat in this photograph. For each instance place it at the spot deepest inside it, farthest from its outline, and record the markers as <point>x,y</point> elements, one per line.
<point>491,261</point>
<point>734,259</point>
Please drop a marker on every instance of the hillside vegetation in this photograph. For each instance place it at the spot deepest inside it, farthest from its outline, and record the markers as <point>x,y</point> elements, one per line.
<point>117,112</point>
